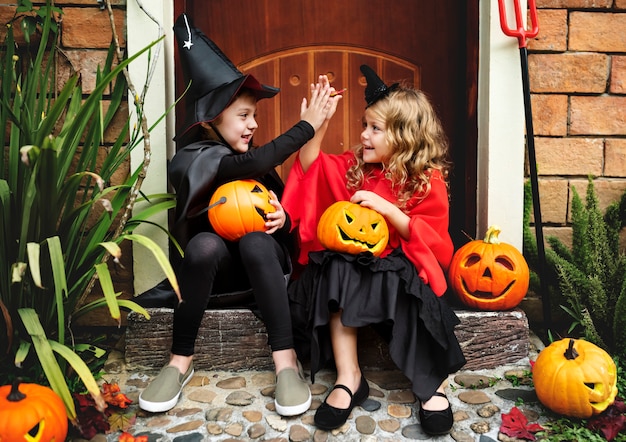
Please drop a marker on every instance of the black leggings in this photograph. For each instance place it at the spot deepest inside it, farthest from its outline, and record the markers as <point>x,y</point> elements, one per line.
<point>212,266</point>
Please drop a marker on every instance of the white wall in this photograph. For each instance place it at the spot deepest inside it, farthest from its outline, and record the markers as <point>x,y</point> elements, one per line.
<point>141,31</point>
<point>501,145</point>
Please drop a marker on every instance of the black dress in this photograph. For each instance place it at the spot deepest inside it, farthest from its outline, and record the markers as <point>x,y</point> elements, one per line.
<point>384,292</point>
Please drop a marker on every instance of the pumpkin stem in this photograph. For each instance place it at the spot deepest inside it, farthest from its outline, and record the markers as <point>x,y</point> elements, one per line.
<point>571,352</point>
<point>16,395</point>
<point>491,237</point>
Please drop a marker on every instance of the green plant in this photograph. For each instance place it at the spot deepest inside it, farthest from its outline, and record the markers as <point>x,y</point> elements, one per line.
<point>61,217</point>
<point>591,276</point>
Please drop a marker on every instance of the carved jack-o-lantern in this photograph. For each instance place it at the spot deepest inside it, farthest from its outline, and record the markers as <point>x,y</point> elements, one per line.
<point>239,207</point>
<point>31,412</point>
<point>489,274</point>
<point>350,228</point>
<point>575,378</point>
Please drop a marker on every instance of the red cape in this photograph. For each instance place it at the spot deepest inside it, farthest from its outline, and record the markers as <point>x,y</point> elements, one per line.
<point>430,248</point>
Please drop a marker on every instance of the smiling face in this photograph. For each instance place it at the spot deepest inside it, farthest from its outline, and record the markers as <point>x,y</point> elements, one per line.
<point>489,274</point>
<point>376,149</point>
<point>237,123</point>
<point>350,228</point>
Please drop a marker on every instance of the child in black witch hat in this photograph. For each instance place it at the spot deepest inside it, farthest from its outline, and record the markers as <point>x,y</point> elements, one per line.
<point>400,170</point>
<point>217,136</point>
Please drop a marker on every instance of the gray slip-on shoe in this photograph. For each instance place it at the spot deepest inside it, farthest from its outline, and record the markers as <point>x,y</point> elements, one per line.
<point>163,392</point>
<point>292,395</point>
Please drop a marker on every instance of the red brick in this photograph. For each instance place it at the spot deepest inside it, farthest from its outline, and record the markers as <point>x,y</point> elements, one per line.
<point>552,31</point>
<point>620,4</point>
<point>84,62</point>
<point>563,234</point>
<point>615,157</point>
<point>87,3</point>
<point>91,28</point>
<point>568,72</point>
<point>587,4</point>
<point>117,123</point>
<point>549,114</point>
<point>604,115</point>
<point>553,200</point>
<point>569,156</point>
<point>597,31</point>
<point>618,74</point>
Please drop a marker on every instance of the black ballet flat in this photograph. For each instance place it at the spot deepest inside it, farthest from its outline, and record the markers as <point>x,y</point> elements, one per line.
<point>328,417</point>
<point>436,423</point>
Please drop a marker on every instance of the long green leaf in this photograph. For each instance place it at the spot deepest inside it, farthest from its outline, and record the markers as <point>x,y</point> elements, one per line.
<point>46,359</point>
<point>22,353</point>
<point>82,370</point>
<point>109,293</point>
<point>60,282</point>
<point>34,254</point>
<point>161,258</point>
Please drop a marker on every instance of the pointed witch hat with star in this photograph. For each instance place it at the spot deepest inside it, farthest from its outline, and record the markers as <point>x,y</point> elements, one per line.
<point>215,80</point>
<point>376,88</point>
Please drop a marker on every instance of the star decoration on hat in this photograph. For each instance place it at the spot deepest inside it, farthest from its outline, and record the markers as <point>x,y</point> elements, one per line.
<point>187,44</point>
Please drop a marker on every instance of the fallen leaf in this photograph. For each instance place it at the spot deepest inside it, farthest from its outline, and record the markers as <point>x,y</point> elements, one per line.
<point>515,424</point>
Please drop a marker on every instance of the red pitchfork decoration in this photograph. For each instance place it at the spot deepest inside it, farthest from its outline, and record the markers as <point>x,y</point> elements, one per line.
<point>522,34</point>
<point>520,31</point>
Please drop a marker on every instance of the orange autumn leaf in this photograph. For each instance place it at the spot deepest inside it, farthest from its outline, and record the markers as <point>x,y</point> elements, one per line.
<point>127,437</point>
<point>113,395</point>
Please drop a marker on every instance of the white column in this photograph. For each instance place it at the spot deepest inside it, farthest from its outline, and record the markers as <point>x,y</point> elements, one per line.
<point>140,32</point>
<point>501,127</point>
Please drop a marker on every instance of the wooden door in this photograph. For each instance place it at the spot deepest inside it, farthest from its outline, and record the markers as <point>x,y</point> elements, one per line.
<point>431,44</point>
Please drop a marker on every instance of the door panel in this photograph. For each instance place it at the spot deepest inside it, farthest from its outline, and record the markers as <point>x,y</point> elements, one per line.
<point>431,44</point>
<point>297,69</point>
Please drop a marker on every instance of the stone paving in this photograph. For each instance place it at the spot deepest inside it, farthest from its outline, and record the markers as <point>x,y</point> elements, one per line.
<point>238,406</point>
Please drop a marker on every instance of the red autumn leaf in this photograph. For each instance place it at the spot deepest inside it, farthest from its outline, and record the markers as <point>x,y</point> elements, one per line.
<point>515,424</point>
<point>91,422</point>
<point>611,422</point>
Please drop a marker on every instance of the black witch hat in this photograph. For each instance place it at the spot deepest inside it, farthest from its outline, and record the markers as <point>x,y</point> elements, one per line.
<point>214,78</point>
<point>376,88</point>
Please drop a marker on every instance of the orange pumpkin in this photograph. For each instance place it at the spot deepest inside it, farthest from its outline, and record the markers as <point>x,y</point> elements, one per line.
<point>575,378</point>
<point>239,207</point>
<point>31,412</point>
<point>489,274</point>
<point>350,228</point>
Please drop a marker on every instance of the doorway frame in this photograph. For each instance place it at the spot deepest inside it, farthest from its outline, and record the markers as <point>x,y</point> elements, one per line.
<point>500,125</point>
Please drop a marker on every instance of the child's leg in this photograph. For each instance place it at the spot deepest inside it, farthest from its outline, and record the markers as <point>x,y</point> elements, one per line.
<point>436,403</point>
<point>344,343</point>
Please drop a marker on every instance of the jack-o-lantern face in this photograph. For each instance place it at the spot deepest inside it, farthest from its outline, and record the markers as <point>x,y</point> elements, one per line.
<point>488,274</point>
<point>30,413</point>
<point>575,378</point>
<point>350,228</point>
<point>239,207</point>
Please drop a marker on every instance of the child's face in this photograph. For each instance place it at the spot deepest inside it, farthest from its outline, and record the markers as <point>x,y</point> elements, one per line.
<point>237,123</point>
<point>375,146</point>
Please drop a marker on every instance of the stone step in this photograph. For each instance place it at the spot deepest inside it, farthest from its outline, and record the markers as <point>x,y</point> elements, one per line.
<point>236,340</point>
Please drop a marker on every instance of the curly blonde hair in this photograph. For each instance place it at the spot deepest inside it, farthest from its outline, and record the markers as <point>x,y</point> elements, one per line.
<point>418,144</point>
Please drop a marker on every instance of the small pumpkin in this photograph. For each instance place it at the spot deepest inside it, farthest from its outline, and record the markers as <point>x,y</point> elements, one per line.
<point>351,228</point>
<point>575,378</point>
<point>239,207</point>
<point>31,412</point>
<point>489,274</point>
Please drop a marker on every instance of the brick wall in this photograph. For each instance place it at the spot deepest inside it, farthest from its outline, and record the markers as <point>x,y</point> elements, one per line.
<point>577,67</point>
